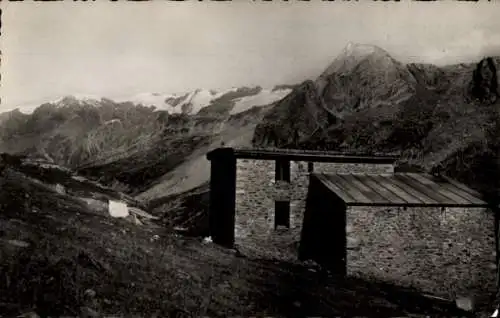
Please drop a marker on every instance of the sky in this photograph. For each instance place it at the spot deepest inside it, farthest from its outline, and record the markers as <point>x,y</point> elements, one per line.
<point>110,49</point>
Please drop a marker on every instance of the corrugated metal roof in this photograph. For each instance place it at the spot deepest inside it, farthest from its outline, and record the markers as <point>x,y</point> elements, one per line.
<point>401,189</point>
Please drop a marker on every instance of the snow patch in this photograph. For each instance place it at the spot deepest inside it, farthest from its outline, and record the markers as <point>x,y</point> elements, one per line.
<point>151,99</point>
<point>185,102</point>
<point>198,99</point>
<point>77,99</point>
<point>115,120</point>
<point>118,209</point>
<point>190,102</point>
<point>264,97</point>
<point>26,109</point>
<point>359,50</point>
<point>61,101</point>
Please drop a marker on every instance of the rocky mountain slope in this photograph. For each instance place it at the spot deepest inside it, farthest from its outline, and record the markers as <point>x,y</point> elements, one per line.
<point>366,101</point>
<point>131,144</point>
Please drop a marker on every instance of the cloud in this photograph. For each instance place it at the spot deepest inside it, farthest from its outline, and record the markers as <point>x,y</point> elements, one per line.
<point>473,45</point>
<point>53,50</point>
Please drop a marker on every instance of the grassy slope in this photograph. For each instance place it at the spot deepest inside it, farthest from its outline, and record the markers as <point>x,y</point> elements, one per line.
<point>186,210</point>
<point>139,169</point>
<point>72,249</point>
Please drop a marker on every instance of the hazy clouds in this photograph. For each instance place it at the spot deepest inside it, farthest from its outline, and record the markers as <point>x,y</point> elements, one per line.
<point>111,49</point>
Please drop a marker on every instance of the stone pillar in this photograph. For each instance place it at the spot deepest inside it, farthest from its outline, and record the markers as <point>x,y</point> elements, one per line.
<point>222,196</point>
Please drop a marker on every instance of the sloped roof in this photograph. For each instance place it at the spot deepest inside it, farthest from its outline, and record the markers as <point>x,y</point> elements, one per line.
<point>400,189</point>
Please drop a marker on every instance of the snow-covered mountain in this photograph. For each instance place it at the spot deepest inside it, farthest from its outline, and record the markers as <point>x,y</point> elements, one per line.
<point>230,101</point>
<point>97,132</point>
<point>177,103</point>
<point>264,97</point>
<point>62,101</point>
<point>223,102</point>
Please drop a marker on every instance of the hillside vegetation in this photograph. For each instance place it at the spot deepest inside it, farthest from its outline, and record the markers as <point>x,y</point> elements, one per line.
<point>62,256</point>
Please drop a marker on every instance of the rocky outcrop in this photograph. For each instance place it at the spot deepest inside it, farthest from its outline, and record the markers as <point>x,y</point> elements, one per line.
<point>364,76</point>
<point>294,118</point>
<point>361,79</point>
<point>485,86</point>
<point>377,104</point>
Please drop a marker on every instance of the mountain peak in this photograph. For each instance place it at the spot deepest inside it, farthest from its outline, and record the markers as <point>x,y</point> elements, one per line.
<point>355,53</point>
<point>362,50</point>
<point>76,99</point>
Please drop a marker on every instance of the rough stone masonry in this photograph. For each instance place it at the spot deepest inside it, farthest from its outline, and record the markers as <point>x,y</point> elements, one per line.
<point>447,252</point>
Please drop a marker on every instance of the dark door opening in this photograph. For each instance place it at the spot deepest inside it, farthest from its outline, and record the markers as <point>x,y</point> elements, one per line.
<point>282,214</point>
<point>310,167</point>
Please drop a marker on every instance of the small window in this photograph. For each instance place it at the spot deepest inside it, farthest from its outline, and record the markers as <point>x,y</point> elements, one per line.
<point>283,170</point>
<point>310,166</point>
<point>282,214</point>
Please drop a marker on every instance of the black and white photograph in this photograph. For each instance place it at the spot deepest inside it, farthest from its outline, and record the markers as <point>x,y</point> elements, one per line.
<point>249,158</point>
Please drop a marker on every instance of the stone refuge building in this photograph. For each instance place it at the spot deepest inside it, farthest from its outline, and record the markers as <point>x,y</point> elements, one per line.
<point>441,243</point>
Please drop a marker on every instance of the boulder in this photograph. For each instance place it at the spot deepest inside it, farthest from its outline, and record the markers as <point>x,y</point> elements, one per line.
<point>60,189</point>
<point>96,205</point>
<point>118,209</point>
<point>465,303</point>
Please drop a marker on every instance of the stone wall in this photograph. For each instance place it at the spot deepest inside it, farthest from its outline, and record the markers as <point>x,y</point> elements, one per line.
<point>449,253</point>
<point>257,191</point>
